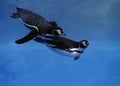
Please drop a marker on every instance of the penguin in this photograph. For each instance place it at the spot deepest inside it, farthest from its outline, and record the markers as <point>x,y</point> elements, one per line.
<point>65,46</point>
<point>38,24</point>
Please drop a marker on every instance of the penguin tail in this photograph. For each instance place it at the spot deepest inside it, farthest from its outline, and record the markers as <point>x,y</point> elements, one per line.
<point>15,15</point>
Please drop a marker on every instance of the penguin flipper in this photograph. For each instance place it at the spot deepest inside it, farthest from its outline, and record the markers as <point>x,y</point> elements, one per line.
<point>76,58</point>
<point>37,39</point>
<point>27,38</point>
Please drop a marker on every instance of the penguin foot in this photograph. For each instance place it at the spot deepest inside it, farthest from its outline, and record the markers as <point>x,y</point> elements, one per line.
<point>15,15</point>
<point>76,58</point>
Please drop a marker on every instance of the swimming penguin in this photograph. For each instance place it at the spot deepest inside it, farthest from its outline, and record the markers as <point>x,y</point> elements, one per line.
<point>65,46</point>
<point>38,25</point>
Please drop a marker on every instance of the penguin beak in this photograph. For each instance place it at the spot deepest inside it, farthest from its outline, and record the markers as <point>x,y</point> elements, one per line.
<point>84,44</point>
<point>60,32</point>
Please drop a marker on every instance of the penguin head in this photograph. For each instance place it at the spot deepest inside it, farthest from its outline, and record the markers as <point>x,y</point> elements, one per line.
<point>84,44</point>
<point>58,31</point>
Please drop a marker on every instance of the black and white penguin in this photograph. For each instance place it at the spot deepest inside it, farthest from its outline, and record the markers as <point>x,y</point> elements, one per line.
<point>65,46</point>
<point>38,25</point>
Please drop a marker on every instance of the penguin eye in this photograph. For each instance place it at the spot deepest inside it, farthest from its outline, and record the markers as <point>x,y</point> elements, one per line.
<point>55,32</point>
<point>84,44</point>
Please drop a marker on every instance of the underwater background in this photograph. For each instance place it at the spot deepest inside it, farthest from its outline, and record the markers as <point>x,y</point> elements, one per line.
<point>33,64</point>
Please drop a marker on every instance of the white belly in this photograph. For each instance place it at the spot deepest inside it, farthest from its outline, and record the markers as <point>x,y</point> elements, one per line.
<point>65,53</point>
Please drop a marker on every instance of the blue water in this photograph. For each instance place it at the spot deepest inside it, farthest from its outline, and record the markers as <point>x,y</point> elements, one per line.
<point>33,64</point>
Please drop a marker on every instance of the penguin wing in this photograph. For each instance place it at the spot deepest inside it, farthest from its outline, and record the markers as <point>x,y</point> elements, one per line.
<point>37,39</point>
<point>50,43</point>
<point>58,42</point>
<point>44,41</point>
<point>27,38</point>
